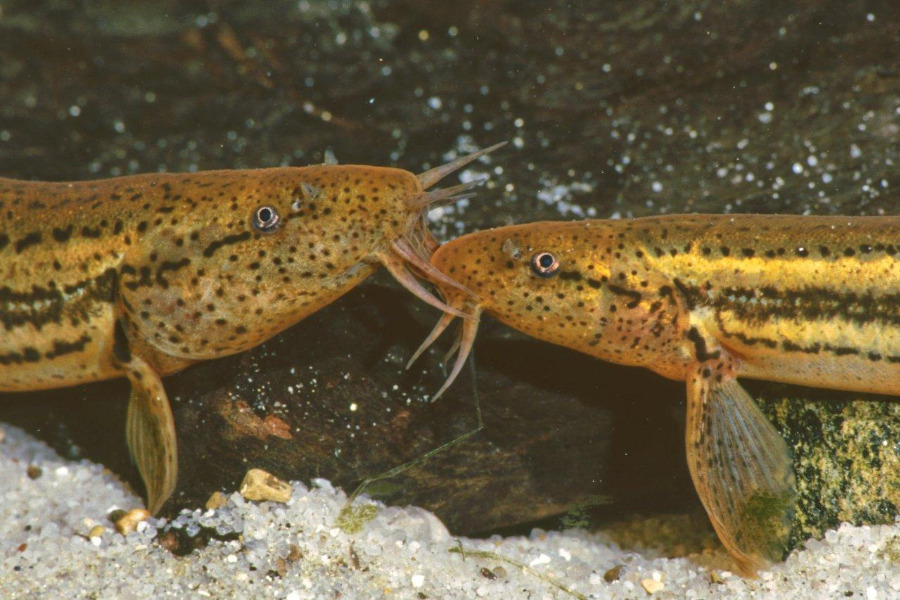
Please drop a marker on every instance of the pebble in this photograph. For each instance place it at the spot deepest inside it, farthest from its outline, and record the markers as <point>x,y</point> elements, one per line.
<point>297,557</point>
<point>613,574</point>
<point>129,522</point>
<point>259,485</point>
<point>651,586</point>
<point>216,501</point>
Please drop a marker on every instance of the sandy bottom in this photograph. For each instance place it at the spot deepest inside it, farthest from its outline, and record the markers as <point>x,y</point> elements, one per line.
<point>49,506</point>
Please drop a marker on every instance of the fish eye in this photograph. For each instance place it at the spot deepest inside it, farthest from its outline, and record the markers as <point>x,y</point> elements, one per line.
<point>544,264</point>
<point>266,219</point>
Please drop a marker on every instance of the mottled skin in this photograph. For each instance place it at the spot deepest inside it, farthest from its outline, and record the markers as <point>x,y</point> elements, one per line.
<point>142,276</point>
<point>706,299</point>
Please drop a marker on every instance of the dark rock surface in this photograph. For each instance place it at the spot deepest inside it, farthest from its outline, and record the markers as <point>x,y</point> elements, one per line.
<point>621,109</point>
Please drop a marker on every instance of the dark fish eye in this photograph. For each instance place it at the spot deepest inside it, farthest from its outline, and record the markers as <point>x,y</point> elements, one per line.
<point>544,264</point>
<point>266,219</point>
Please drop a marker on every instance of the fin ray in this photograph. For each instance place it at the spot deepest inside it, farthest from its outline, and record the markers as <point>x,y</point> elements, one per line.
<point>150,432</point>
<point>741,467</point>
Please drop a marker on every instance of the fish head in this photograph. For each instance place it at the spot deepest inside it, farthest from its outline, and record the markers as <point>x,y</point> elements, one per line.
<point>548,280</point>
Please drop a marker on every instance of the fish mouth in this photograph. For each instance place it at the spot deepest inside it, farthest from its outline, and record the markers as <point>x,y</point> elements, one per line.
<point>409,256</point>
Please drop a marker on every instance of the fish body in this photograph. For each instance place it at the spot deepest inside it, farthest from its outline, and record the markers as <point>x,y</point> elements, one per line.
<point>705,299</point>
<point>142,276</point>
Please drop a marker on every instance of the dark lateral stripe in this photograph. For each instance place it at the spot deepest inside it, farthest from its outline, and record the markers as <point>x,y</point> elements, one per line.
<point>27,355</point>
<point>700,349</point>
<point>61,347</point>
<point>740,336</point>
<point>31,239</point>
<point>169,266</point>
<point>225,241</point>
<point>758,305</point>
<point>789,346</point>
<point>620,291</point>
<point>52,306</point>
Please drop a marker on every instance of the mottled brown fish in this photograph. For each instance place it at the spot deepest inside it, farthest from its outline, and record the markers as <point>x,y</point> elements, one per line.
<point>704,299</point>
<point>142,276</point>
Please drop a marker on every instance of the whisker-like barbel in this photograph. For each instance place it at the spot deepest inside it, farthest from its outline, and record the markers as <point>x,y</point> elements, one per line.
<point>432,176</point>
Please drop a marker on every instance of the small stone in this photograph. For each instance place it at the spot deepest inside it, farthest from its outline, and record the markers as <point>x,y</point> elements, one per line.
<point>651,586</point>
<point>500,572</point>
<point>261,485</point>
<point>97,531</point>
<point>130,520</point>
<point>613,574</point>
<point>216,501</point>
<point>294,553</point>
<point>34,471</point>
<point>714,577</point>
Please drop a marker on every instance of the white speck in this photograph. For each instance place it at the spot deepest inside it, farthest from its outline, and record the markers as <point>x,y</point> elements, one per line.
<point>827,177</point>
<point>773,66</point>
<point>565,554</point>
<point>870,18</point>
<point>231,558</point>
<point>871,593</point>
<point>119,126</point>
<point>5,136</point>
<point>519,122</point>
<point>62,472</point>
<point>353,407</point>
<point>656,186</point>
<point>797,168</point>
<point>435,103</point>
<point>74,110</point>
<point>418,580</point>
<point>452,31</point>
<point>855,152</point>
<point>765,117</point>
<point>769,106</point>
<point>812,160</point>
<point>292,596</point>
<point>543,559</point>
<point>607,68</point>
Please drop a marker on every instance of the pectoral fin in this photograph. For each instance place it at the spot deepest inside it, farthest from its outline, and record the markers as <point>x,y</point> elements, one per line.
<point>741,467</point>
<point>150,432</point>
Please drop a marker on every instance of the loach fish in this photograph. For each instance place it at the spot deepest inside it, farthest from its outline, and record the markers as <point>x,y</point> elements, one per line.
<point>142,276</point>
<point>705,299</point>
